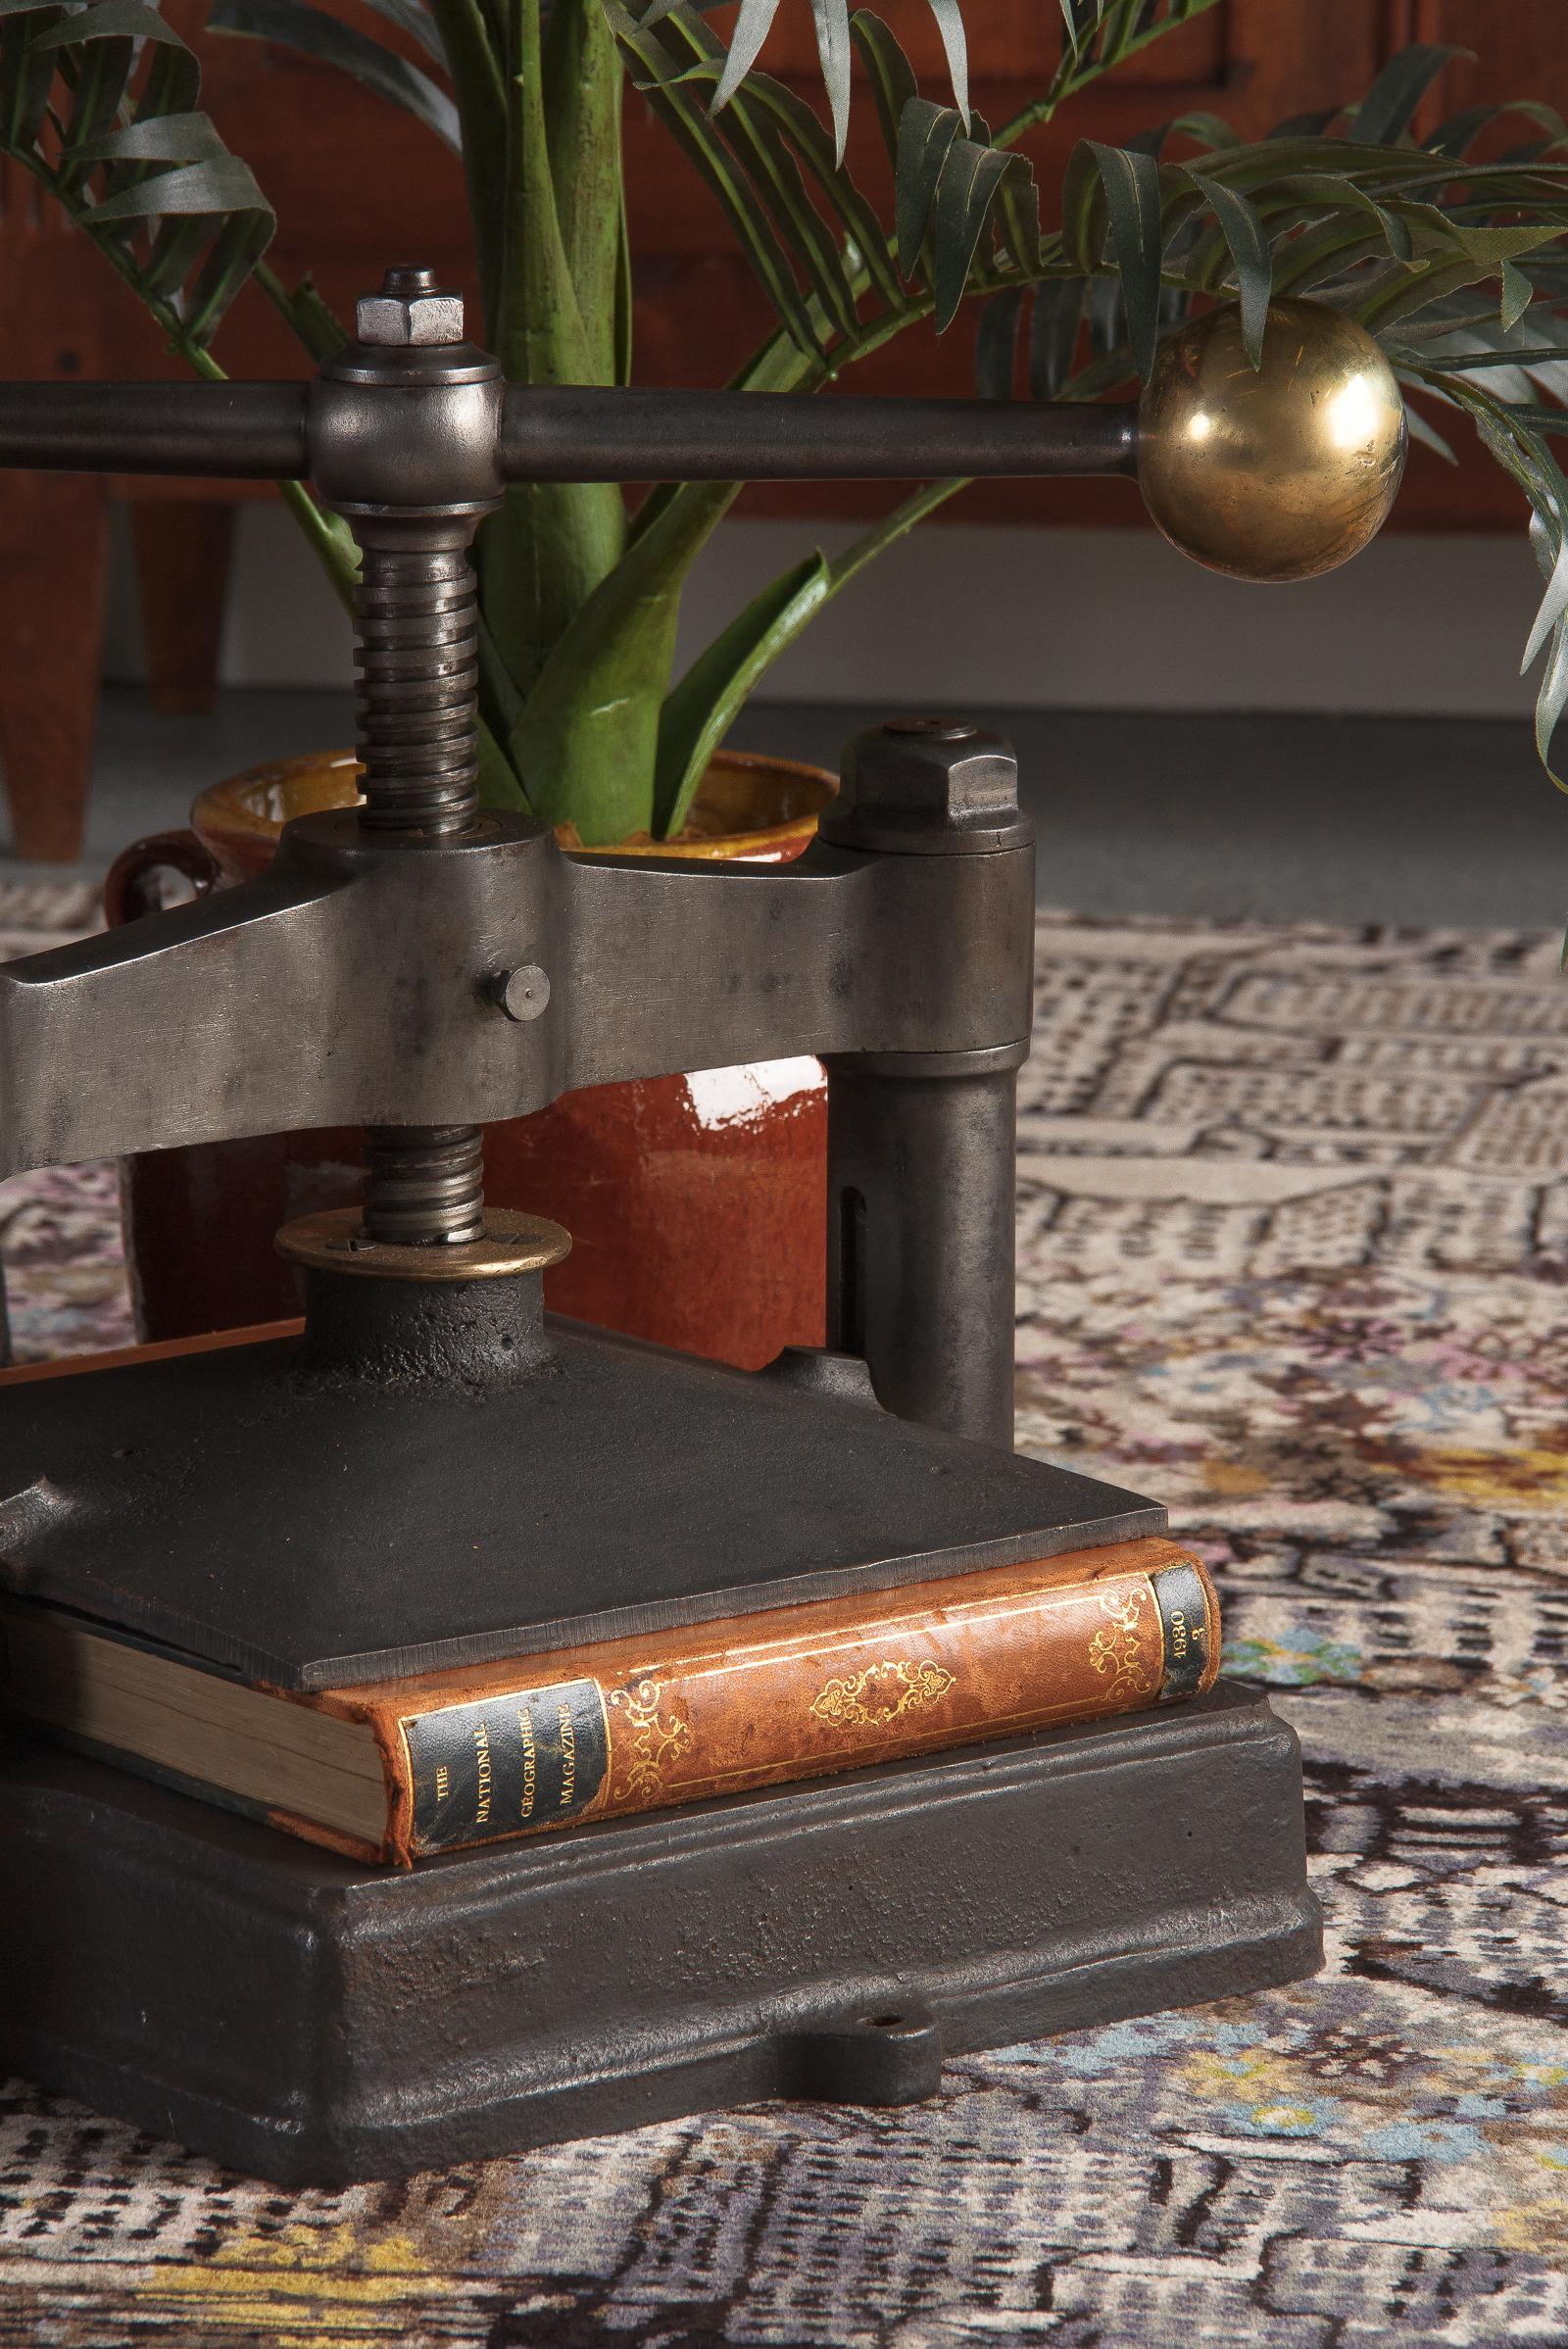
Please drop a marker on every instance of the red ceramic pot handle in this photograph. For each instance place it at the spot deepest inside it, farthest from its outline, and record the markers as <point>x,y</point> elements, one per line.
<point>128,889</point>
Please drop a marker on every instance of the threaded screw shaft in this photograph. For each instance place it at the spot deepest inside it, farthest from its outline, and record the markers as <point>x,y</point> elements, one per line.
<point>418,658</point>
<point>416,702</point>
<point>425,1185</point>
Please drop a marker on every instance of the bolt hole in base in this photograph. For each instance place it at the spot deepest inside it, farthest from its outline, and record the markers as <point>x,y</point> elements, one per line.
<point>882,2055</point>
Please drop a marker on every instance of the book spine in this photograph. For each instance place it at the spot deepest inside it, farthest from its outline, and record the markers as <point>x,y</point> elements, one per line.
<point>692,1726</point>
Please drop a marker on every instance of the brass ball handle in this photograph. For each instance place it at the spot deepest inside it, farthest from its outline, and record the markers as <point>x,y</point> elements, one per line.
<point>1280,471</point>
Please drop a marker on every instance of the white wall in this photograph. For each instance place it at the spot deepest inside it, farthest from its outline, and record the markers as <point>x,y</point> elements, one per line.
<point>1056,618</point>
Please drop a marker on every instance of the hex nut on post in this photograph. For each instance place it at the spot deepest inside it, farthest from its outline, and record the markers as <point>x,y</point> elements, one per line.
<point>928,787</point>
<point>521,993</point>
<point>412,307</point>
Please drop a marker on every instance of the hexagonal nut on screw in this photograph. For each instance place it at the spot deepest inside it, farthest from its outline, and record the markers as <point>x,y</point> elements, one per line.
<point>521,993</point>
<point>929,784</point>
<point>412,307</point>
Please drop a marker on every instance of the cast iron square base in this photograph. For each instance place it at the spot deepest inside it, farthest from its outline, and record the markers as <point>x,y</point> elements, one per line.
<point>316,2022</point>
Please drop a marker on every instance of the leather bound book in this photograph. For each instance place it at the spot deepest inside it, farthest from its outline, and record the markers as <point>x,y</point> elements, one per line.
<point>394,1771</point>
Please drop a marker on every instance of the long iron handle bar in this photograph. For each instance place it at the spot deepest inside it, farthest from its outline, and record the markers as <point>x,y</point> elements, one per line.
<point>259,431</point>
<point>627,434</point>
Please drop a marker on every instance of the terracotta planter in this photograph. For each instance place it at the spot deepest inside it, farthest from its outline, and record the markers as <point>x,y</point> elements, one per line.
<point>696,1204</point>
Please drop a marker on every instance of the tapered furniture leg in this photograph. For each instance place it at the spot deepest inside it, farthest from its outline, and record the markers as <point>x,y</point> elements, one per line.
<point>183,548</point>
<point>54,552</point>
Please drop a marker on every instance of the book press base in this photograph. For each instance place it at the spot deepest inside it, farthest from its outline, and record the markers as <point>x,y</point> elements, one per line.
<point>435,1475</point>
<point>311,2021</point>
<point>315,2021</point>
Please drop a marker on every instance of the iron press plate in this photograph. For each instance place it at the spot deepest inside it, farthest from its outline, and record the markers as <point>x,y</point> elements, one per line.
<point>307,1516</point>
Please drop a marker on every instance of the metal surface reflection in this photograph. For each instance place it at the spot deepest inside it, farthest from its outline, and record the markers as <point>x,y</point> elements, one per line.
<point>1279,472</point>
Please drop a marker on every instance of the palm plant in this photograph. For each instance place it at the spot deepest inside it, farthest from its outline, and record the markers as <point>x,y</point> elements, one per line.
<point>1441,245</point>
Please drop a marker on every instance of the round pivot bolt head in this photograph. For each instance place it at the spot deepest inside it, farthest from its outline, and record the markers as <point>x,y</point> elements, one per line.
<point>1280,471</point>
<point>521,993</point>
<point>412,307</point>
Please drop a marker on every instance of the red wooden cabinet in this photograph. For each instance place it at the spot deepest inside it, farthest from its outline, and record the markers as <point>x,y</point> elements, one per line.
<point>357,183</point>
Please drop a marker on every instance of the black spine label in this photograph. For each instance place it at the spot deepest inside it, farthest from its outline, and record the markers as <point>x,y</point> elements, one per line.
<point>531,1757</point>
<point>1184,1621</point>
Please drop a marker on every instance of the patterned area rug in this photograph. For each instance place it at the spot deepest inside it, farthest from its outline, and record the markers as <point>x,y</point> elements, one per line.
<point>64,1271</point>
<point>1293,1243</point>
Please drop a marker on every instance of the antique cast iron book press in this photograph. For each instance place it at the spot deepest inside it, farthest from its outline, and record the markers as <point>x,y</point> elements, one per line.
<point>435,1475</point>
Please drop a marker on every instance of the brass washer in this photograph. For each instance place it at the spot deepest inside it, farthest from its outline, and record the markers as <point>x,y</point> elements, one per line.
<point>334,1242</point>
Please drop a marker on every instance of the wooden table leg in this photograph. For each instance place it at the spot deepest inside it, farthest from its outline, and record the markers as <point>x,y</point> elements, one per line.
<point>54,552</point>
<point>182,557</point>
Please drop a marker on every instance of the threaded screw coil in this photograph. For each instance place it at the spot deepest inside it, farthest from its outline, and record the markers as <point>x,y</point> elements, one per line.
<point>418,658</point>
<point>425,1185</point>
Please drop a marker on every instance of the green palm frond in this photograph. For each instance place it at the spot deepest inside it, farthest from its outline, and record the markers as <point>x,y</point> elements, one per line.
<point>812,238</point>
<point>99,104</point>
<point>1452,264</point>
<point>312,32</point>
<point>663,74</point>
<point>1345,207</point>
<point>831,18</point>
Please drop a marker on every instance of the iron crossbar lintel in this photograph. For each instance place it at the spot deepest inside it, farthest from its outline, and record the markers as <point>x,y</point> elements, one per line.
<point>379,971</point>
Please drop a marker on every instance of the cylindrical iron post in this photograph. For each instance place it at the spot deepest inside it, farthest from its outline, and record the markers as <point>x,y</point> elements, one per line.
<point>921,1146</point>
<point>920,1237</point>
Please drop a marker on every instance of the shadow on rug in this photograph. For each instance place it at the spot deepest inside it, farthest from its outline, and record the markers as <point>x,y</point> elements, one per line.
<point>1293,1215</point>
